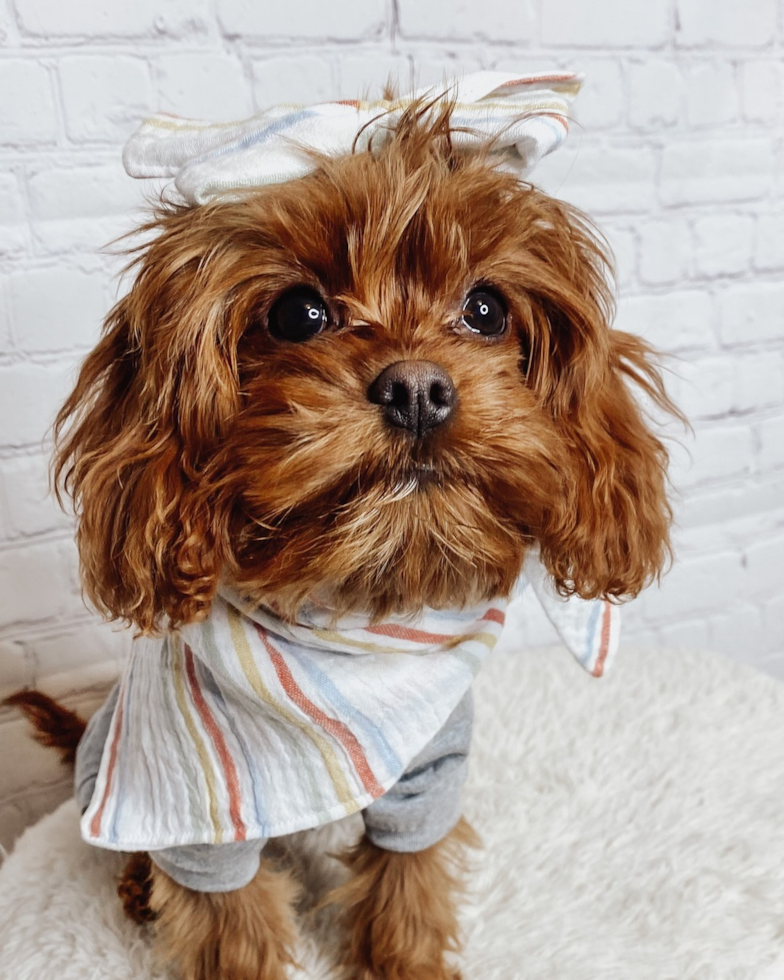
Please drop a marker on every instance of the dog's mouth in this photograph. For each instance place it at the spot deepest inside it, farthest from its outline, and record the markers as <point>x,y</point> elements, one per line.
<point>415,477</point>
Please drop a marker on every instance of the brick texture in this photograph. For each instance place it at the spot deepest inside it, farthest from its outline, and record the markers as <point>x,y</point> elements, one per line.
<point>677,151</point>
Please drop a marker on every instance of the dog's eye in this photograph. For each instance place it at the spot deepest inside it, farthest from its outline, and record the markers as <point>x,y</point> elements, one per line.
<point>484,313</point>
<point>298,315</point>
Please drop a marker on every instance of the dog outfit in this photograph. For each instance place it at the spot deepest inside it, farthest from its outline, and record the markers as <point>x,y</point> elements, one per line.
<point>515,119</point>
<point>244,727</point>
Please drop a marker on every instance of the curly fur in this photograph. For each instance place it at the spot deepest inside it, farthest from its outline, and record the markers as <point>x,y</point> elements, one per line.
<point>196,445</point>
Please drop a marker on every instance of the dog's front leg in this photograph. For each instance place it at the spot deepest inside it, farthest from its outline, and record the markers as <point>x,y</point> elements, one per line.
<point>400,910</point>
<point>400,904</point>
<point>245,934</point>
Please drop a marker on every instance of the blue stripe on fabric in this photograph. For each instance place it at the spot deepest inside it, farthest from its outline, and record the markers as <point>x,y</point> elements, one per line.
<point>587,656</point>
<point>253,138</point>
<point>348,710</point>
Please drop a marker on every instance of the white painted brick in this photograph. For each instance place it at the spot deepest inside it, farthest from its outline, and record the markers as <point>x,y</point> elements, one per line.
<point>716,170</point>
<point>712,94</point>
<point>721,453</point>
<point>759,382</point>
<point>13,226</point>
<point>82,208</point>
<point>696,585</point>
<point>726,22</point>
<point>723,244</point>
<point>98,20</point>
<point>203,86</point>
<point>665,251</point>
<point>751,313</point>
<point>301,18</point>
<point>366,74</point>
<point>773,620</point>
<point>442,67</point>
<point>16,668</point>
<point>601,101</point>
<point>467,20</point>
<point>765,567</point>
<point>739,633</point>
<point>30,396</point>
<point>105,98</point>
<point>314,80</point>
<point>621,24</point>
<point>608,182</point>
<point>689,635</point>
<point>769,243</point>
<point>30,507</point>
<point>5,314</point>
<point>763,89</point>
<point>770,434</point>
<point>29,115</point>
<point>623,243</point>
<point>656,93</point>
<point>57,308</point>
<point>714,506</point>
<point>703,386</point>
<point>35,583</point>
<point>677,321</point>
<point>77,648</point>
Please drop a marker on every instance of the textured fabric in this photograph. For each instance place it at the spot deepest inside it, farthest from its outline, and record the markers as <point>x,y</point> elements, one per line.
<point>417,812</point>
<point>425,803</point>
<point>244,727</point>
<point>526,117</point>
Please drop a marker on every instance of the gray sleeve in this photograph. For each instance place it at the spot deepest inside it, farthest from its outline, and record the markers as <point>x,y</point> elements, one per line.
<point>90,749</point>
<point>424,805</point>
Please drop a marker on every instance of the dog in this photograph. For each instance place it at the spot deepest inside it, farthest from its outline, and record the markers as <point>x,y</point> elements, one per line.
<point>382,388</point>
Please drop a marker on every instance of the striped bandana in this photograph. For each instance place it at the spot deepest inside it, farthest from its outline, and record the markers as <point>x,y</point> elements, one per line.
<point>244,727</point>
<point>525,116</point>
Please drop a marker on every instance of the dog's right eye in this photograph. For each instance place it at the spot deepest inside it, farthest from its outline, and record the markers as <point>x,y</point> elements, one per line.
<point>298,315</point>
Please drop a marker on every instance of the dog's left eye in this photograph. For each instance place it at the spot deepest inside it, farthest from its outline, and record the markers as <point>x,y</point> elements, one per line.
<point>298,315</point>
<point>483,312</point>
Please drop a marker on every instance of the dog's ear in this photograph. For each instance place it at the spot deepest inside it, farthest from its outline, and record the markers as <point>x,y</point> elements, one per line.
<point>150,402</point>
<point>608,533</point>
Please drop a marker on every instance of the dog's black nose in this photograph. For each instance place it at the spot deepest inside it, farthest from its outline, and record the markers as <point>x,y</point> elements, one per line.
<point>416,396</point>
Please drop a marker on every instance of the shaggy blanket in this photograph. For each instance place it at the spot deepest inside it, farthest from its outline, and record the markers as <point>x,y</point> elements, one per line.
<point>632,829</point>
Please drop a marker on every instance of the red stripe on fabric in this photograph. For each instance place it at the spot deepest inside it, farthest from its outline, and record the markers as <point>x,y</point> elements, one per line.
<point>229,769</point>
<point>95,823</point>
<point>598,670</point>
<point>330,725</point>
<point>397,632</point>
<point>495,616</point>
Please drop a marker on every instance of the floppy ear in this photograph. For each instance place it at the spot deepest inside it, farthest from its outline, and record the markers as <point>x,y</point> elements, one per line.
<point>608,534</point>
<point>150,401</point>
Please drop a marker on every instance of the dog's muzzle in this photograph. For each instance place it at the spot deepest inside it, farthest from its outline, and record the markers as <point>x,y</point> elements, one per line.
<point>417,396</point>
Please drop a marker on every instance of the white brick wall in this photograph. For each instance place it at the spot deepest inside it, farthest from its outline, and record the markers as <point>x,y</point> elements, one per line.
<point>679,154</point>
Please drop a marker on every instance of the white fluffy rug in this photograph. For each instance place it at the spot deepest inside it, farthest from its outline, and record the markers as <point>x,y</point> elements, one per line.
<point>633,829</point>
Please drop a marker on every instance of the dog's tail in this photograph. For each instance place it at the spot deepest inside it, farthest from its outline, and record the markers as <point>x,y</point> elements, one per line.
<point>55,726</point>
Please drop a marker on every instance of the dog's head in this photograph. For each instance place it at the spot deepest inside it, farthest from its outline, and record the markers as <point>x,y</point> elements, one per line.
<point>380,383</point>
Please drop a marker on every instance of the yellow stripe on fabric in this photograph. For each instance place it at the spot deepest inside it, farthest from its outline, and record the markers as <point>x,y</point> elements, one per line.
<point>201,751</point>
<point>331,636</point>
<point>242,648</point>
<point>507,106</point>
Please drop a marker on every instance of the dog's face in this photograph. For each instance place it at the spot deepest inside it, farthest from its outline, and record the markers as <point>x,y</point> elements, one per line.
<point>379,384</point>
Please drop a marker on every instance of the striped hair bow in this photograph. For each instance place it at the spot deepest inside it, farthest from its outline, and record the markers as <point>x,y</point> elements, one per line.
<point>525,117</point>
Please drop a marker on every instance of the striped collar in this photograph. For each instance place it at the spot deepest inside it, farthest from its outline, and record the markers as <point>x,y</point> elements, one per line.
<point>243,726</point>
